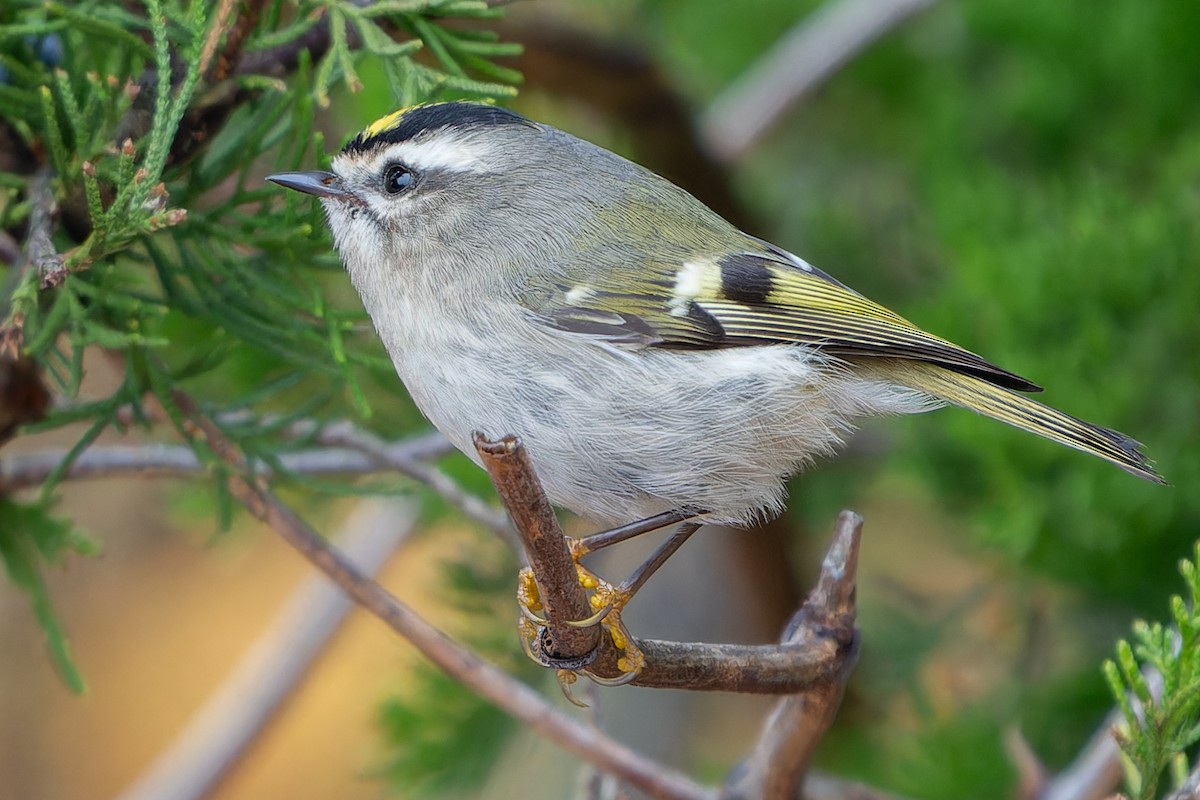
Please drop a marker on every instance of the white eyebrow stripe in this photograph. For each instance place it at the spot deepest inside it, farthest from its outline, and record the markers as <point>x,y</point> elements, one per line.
<point>445,152</point>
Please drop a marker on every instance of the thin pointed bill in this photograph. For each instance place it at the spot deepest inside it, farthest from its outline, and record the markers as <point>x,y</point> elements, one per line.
<point>316,183</point>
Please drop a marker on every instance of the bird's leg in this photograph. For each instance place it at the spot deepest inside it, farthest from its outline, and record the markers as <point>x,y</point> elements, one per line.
<point>635,581</point>
<point>527,592</point>
<point>621,533</point>
<point>589,544</point>
<point>610,601</point>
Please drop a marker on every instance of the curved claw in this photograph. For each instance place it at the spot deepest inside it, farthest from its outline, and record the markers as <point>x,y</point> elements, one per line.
<point>594,619</point>
<point>566,679</point>
<point>532,617</point>
<point>527,648</point>
<point>621,680</point>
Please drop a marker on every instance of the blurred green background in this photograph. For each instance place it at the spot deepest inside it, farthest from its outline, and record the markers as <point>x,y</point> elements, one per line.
<point>1021,178</point>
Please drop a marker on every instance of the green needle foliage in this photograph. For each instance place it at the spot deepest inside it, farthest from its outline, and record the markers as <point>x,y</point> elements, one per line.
<point>1156,732</point>
<point>136,140</point>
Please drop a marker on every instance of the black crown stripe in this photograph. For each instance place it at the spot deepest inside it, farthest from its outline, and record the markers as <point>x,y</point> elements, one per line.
<point>411,122</point>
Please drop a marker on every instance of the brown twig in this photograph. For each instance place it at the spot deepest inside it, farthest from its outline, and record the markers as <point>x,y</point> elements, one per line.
<point>39,247</point>
<point>507,463</point>
<point>217,28</point>
<point>231,54</point>
<point>217,737</point>
<point>750,669</point>
<point>775,769</point>
<point>24,398</point>
<point>756,669</point>
<point>213,108</point>
<point>793,666</point>
<point>491,683</point>
<point>1031,772</point>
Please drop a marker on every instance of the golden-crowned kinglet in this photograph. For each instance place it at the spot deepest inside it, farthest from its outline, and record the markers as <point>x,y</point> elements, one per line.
<point>651,356</point>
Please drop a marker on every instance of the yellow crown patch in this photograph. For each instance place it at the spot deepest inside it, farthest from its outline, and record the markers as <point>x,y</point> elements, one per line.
<point>386,123</point>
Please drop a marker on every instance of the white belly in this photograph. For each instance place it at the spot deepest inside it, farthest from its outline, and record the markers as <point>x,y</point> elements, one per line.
<point>620,436</point>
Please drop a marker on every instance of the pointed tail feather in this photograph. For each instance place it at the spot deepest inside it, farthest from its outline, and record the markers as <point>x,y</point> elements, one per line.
<point>1029,415</point>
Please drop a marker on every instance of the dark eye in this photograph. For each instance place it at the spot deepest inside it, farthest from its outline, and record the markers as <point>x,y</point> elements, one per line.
<point>397,178</point>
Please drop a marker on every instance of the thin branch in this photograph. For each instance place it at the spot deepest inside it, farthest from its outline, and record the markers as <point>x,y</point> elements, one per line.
<point>421,447</point>
<point>1095,773</point>
<point>345,451</point>
<point>346,435</point>
<point>39,246</point>
<point>170,460</point>
<point>803,59</point>
<point>24,398</point>
<point>784,668</point>
<point>238,34</point>
<point>750,669</point>
<point>213,108</point>
<point>1031,772</point>
<point>218,27</point>
<point>776,768</point>
<point>755,669</point>
<point>219,734</point>
<point>507,462</point>
<point>491,683</point>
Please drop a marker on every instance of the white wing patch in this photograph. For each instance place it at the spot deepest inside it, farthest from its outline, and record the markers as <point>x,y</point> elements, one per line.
<point>577,295</point>
<point>696,279</point>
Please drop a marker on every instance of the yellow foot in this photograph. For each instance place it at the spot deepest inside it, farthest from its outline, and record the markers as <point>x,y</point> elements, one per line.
<point>607,599</point>
<point>529,599</point>
<point>566,682</point>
